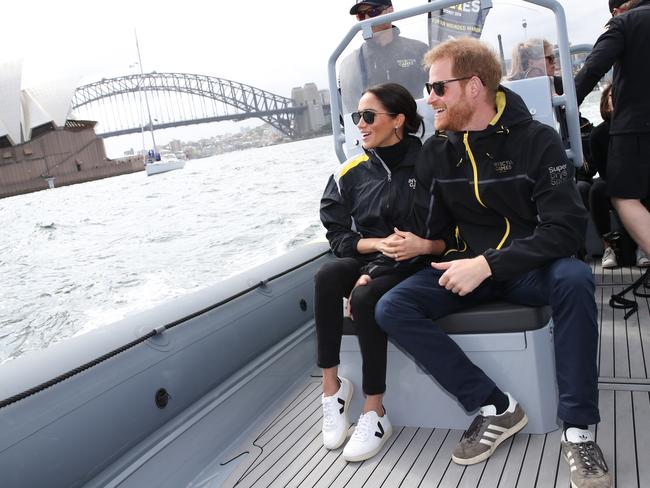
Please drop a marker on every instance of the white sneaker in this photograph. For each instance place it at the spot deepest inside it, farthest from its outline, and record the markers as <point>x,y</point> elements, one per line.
<point>642,260</point>
<point>335,415</point>
<point>369,436</point>
<point>609,258</point>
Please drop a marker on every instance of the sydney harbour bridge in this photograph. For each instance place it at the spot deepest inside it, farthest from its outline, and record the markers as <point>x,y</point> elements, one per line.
<point>132,103</point>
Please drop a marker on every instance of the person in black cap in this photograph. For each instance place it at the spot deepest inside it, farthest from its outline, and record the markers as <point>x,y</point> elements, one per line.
<point>624,45</point>
<point>387,57</point>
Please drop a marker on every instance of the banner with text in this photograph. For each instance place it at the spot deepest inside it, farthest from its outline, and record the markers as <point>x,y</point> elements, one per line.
<point>460,20</point>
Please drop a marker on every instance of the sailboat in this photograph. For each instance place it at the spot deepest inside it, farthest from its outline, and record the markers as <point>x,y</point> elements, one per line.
<point>154,162</point>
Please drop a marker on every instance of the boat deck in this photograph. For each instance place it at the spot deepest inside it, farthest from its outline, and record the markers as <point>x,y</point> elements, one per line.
<point>287,451</point>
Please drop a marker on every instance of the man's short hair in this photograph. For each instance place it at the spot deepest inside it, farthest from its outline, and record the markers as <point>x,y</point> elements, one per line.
<point>370,3</point>
<point>469,57</point>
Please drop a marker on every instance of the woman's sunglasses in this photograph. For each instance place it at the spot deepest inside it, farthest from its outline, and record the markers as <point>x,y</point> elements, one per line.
<point>367,115</point>
<point>438,87</point>
<point>369,13</point>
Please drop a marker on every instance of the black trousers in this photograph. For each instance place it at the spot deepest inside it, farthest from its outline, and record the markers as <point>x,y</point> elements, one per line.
<point>334,281</point>
<point>599,206</point>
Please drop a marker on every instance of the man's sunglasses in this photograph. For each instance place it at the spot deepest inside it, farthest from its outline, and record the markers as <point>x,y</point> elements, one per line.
<point>367,115</point>
<point>369,13</point>
<point>438,87</point>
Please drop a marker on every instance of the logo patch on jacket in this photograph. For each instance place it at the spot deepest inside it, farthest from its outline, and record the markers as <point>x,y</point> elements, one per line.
<point>412,183</point>
<point>406,63</point>
<point>503,166</point>
<point>559,174</point>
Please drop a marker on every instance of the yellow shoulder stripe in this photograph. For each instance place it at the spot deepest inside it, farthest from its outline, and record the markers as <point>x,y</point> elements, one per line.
<point>348,165</point>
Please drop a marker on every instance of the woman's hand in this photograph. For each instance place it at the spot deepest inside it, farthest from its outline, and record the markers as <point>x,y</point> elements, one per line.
<point>362,281</point>
<point>402,246</point>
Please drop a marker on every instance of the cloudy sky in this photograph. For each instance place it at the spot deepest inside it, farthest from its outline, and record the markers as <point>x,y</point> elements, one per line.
<point>271,45</point>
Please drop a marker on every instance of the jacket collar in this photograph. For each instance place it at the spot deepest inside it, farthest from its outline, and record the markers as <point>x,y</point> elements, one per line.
<point>511,111</point>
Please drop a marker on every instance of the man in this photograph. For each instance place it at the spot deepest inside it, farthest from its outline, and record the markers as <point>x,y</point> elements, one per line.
<point>502,182</point>
<point>624,46</point>
<point>387,57</point>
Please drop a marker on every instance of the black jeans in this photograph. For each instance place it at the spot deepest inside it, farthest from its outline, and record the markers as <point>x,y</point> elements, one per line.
<point>334,281</point>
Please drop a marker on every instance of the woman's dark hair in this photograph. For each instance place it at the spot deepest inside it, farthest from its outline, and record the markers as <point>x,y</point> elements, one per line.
<point>605,110</point>
<point>397,99</point>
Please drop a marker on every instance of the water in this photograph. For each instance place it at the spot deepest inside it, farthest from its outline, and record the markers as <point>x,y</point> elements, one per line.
<point>79,257</point>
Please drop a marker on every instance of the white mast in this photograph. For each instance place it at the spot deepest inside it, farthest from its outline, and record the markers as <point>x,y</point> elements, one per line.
<point>146,99</point>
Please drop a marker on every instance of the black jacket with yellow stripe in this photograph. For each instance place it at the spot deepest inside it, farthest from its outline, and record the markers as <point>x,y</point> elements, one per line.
<point>506,192</point>
<point>365,198</point>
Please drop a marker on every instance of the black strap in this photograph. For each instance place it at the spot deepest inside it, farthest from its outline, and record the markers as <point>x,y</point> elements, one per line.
<point>618,300</point>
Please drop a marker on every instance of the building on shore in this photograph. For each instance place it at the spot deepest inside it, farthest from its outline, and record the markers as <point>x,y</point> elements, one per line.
<point>58,157</point>
<point>313,118</point>
<point>39,146</point>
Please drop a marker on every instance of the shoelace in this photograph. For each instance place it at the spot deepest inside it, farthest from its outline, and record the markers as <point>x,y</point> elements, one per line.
<point>591,458</point>
<point>475,428</point>
<point>363,428</point>
<point>330,411</point>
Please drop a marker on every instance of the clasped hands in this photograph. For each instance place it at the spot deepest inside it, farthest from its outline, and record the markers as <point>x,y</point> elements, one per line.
<point>402,246</point>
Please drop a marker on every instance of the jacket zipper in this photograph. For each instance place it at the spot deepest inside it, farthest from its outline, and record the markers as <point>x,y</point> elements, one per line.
<point>390,177</point>
<point>476,192</point>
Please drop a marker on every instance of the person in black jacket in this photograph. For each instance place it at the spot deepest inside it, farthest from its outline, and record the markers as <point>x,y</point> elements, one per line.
<point>624,45</point>
<point>504,189</point>
<point>365,209</point>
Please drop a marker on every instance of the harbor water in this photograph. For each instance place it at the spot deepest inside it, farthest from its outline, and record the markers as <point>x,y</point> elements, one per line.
<point>80,257</point>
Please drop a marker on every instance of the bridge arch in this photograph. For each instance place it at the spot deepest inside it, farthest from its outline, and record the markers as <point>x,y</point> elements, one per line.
<point>249,101</point>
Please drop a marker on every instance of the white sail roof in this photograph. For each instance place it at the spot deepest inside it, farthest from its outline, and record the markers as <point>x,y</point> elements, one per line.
<point>22,109</point>
<point>10,110</point>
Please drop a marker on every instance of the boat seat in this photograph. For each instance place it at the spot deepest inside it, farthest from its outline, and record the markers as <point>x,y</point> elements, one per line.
<point>513,344</point>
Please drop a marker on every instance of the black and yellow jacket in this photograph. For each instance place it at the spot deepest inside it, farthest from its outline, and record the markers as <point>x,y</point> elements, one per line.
<point>367,197</point>
<point>506,192</point>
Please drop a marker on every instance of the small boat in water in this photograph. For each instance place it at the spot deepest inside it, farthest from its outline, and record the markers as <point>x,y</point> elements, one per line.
<point>154,166</point>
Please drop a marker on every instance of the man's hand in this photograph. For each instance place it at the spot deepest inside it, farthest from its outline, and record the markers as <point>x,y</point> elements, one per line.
<point>362,281</point>
<point>464,275</point>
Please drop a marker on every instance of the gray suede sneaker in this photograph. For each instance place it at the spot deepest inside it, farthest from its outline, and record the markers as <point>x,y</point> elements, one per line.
<point>588,467</point>
<point>487,431</point>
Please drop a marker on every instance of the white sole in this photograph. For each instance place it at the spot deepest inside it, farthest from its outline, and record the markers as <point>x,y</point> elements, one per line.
<point>483,456</point>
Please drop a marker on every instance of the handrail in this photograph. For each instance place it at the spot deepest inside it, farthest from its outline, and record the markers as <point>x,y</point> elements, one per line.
<point>569,100</point>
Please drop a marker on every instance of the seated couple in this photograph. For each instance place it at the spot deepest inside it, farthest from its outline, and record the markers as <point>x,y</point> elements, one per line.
<point>492,196</point>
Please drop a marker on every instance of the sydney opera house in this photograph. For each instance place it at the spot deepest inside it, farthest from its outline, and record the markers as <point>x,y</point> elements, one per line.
<point>40,145</point>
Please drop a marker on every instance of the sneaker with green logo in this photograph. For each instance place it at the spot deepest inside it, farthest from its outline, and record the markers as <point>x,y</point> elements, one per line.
<point>487,431</point>
<point>586,462</point>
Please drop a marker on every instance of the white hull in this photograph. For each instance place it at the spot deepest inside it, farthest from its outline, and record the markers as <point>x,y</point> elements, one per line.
<point>163,166</point>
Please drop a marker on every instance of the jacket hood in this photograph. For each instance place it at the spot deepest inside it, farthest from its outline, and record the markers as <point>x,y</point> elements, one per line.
<point>511,110</point>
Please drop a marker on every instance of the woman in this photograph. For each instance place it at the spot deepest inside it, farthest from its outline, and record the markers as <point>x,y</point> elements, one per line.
<point>365,208</point>
<point>532,58</point>
<point>599,201</point>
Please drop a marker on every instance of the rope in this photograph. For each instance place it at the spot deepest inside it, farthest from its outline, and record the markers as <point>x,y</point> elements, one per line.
<point>159,330</point>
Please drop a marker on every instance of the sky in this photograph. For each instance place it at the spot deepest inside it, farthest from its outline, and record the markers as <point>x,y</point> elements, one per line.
<point>271,45</point>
